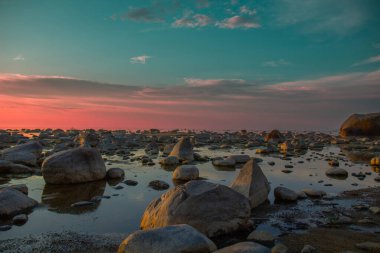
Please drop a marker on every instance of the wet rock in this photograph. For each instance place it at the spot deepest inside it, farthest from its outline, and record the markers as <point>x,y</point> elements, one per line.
<point>5,227</point>
<point>334,163</point>
<point>20,219</point>
<point>186,173</point>
<point>301,195</point>
<point>130,182</point>
<point>308,249</point>
<point>174,239</point>
<point>87,139</point>
<point>115,173</point>
<point>262,237</point>
<point>279,248</point>
<point>158,185</point>
<point>152,148</point>
<point>170,160</point>
<point>369,246</point>
<point>228,162</point>
<point>314,193</point>
<point>27,154</point>
<point>252,183</point>
<point>239,158</point>
<point>285,194</point>
<point>13,202</point>
<point>168,148</point>
<point>210,208</point>
<point>19,187</point>
<point>375,161</point>
<point>361,125</point>
<point>286,171</point>
<point>375,209</point>
<point>72,166</point>
<point>337,172</point>
<point>274,136</point>
<point>12,168</point>
<point>244,247</point>
<point>183,150</point>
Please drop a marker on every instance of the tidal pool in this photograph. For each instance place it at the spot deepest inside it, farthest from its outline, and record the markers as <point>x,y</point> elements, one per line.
<point>120,210</point>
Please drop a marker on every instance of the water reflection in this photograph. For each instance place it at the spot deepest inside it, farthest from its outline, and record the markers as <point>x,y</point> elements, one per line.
<point>376,169</point>
<point>59,198</point>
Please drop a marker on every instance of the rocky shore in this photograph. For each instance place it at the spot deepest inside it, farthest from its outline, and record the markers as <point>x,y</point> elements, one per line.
<point>193,213</point>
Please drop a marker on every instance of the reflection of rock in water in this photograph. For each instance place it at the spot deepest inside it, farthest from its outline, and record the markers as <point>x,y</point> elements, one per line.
<point>376,169</point>
<point>59,198</point>
<point>358,156</point>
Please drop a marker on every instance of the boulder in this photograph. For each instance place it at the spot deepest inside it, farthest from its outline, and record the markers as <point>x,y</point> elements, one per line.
<point>274,136</point>
<point>240,158</point>
<point>170,160</point>
<point>262,237</point>
<point>285,194</point>
<point>375,161</point>
<point>72,166</point>
<point>183,150</point>
<point>337,172</point>
<point>175,239</point>
<point>314,193</point>
<point>13,202</point>
<point>13,168</point>
<point>228,162</point>
<point>115,173</point>
<point>252,183</point>
<point>361,125</point>
<point>186,173</point>
<point>19,187</point>
<point>27,154</point>
<point>212,209</point>
<point>244,247</point>
<point>158,185</point>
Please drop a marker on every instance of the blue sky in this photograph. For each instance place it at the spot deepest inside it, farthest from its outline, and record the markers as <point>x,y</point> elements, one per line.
<point>96,40</point>
<point>173,43</point>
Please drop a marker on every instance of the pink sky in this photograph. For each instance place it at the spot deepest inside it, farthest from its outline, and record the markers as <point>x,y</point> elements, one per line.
<point>33,101</point>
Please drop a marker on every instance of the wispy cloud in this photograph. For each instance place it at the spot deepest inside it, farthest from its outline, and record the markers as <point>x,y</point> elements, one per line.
<point>18,58</point>
<point>370,60</point>
<point>246,22</point>
<point>142,59</point>
<point>142,14</point>
<point>321,16</point>
<point>192,21</point>
<point>193,82</point>
<point>276,63</point>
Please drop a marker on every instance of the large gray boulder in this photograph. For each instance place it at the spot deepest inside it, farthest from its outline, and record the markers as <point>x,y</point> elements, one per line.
<point>285,194</point>
<point>27,154</point>
<point>245,247</point>
<point>13,202</point>
<point>361,125</point>
<point>252,183</point>
<point>212,209</point>
<point>72,166</point>
<point>183,150</point>
<point>173,239</point>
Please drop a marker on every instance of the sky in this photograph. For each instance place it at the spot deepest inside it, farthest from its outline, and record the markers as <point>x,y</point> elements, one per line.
<point>194,64</point>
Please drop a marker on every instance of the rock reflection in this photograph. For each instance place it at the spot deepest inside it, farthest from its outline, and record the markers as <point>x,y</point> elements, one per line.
<point>59,198</point>
<point>376,169</point>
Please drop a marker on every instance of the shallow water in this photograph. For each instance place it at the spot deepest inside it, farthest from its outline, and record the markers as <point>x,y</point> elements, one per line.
<point>121,212</point>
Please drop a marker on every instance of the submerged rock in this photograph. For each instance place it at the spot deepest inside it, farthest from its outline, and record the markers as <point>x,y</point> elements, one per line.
<point>314,193</point>
<point>158,185</point>
<point>252,183</point>
<point>174,239</point>
<point>72,166</point>
<point>13,202</point>
<point>361,125</point>
<point>240,158</point>
<point>228,162</point>
<point>210,208</point>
